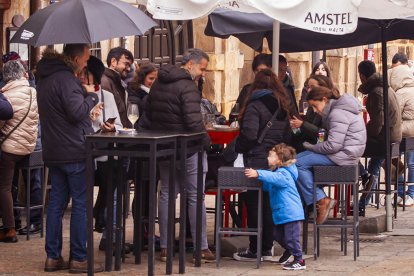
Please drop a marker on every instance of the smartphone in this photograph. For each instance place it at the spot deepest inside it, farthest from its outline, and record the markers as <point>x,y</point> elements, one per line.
<point>110,120</point>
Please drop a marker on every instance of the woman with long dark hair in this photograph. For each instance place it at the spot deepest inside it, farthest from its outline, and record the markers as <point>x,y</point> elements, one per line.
<point>267,97</point>
<point>308,127</point>
<point>139,88</point>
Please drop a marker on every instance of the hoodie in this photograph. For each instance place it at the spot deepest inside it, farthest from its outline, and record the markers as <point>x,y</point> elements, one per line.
<point>64,109</point>
<point>346,131</point>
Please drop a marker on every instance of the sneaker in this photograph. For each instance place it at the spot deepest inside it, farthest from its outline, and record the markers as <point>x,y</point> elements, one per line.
<point>295,265</point>
<point>206,256</point>
<point>409,201</point>
<point>324,205</point>
<point>247,256</point>
<point>285,257</point>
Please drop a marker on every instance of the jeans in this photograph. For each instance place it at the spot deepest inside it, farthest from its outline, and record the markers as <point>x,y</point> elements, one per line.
<point>67,180</point>
<point>288,236</point>
<point>191,184</point>
<point>410,177</point>
<point>374,166</point>
<point>305,161</point>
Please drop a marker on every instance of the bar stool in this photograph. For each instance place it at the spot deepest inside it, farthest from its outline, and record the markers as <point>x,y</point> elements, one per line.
<point>230,178</point>
<point>33,161</point>
<point>407,145</point>
<point>343,176</point>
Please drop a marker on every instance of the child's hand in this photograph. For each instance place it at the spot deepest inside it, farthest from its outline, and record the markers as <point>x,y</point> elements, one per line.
<point>250,173</point>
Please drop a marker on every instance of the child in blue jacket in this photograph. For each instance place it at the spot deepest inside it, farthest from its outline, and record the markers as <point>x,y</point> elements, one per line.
<point>285,201</point>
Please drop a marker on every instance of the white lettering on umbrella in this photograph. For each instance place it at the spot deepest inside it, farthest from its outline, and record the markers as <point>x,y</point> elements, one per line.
<point>26,35</point>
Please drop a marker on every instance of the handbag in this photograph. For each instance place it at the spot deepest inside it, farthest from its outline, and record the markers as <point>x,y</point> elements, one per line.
<point>5,137</point>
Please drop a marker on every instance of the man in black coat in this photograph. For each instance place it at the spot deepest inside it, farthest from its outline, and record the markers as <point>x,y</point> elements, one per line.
<point>174,104</point>
<point>65,109</point>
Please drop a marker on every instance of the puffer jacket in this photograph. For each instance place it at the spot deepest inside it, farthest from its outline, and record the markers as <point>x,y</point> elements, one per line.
<point>259,110</point>
<point>346,131</point>
<point>174,103</point>
<point>375,107</point>
<point>284,197</point>
<point>22,141</point>
<point>401,80</point>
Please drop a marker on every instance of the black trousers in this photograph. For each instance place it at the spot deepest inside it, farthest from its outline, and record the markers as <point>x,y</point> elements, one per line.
<point>251,200</point>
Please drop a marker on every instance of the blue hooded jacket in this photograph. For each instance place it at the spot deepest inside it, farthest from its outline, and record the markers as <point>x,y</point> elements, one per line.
<point>284,197</point>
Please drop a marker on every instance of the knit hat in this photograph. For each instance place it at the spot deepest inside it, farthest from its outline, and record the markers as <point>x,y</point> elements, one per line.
<point>96,68</point>
<point>10,56</point>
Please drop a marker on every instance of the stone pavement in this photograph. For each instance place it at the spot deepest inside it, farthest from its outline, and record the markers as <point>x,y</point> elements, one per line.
<point>385,254</point>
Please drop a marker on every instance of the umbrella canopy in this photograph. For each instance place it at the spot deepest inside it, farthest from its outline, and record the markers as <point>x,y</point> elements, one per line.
<point>325,16</point>
<point>251,28</point>
<point>82,21</point>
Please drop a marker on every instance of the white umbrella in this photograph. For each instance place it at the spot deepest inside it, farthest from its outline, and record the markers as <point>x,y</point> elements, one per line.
<point>325,16</point>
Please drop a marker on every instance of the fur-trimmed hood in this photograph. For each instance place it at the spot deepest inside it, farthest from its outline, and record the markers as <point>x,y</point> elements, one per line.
<point>53,62</point>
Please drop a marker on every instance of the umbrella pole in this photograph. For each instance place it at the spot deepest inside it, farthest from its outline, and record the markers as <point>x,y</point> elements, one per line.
<point>275,46</point>
<point>388,206</point>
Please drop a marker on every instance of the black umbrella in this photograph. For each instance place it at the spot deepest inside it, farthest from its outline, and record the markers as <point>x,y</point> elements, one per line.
<point>251,29</point>
<point>82,21</point>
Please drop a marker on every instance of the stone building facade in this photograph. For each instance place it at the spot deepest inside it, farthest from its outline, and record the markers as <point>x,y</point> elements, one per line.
<point>230,65</point>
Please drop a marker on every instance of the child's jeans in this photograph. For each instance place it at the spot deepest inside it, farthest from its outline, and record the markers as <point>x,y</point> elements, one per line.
<point>288,236</point>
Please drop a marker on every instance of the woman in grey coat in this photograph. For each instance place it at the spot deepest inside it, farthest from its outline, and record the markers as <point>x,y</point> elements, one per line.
<point>344,145</point>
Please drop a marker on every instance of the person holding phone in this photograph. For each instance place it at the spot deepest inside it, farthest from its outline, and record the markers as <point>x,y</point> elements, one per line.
<point>107,120</point>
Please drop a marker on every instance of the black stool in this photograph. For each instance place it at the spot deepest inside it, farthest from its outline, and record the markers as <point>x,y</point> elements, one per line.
<point>33,161</point>
<point>230,178</point>
<point>407,145</point>
<point>342,176</point>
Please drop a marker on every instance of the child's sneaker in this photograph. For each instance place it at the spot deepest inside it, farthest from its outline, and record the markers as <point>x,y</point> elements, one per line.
<point>295,265</point>
<point>285,257</point>
<point>267,256</point>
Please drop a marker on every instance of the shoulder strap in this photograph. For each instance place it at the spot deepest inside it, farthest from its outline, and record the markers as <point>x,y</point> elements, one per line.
<point>268,126</point>
<point>4,138</point>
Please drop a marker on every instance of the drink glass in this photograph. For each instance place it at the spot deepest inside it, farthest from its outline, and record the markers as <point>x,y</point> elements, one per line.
<point>210,121</point>
<point>133,113</point>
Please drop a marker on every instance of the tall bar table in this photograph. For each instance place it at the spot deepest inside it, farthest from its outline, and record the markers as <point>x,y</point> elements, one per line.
<point>151,145</point>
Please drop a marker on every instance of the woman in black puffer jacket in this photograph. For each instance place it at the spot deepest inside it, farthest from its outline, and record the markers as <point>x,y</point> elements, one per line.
<point>265,97</point>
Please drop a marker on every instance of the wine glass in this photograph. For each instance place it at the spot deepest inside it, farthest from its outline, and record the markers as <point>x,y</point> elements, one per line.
<point>133,113</point>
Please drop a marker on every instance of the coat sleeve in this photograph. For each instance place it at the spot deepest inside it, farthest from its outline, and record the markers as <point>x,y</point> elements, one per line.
<point>6,110</point>
<point>338,128</point>
<point>376,121</point>
<point>76,102</point>
<point>249,130</point>
<point>272,180</point>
